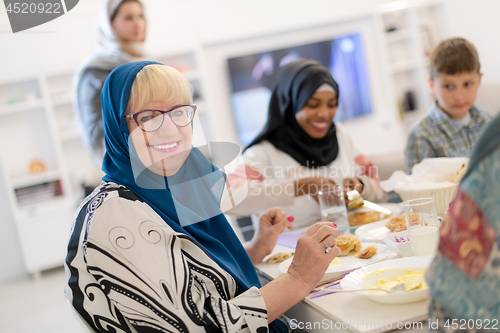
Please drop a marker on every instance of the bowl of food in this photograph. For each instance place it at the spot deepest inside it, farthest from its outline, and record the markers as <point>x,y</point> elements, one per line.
<point>442,196</point>
<point>399,242</point>
<point>442,190</point>
<point>388,274</point>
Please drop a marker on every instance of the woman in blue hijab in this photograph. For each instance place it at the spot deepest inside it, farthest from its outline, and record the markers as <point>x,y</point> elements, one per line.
<point>150,247</point>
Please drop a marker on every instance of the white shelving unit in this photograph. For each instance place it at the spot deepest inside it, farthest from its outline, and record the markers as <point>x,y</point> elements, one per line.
<point>38,123</point>
<point>407,33</point>
<point>41,202</point>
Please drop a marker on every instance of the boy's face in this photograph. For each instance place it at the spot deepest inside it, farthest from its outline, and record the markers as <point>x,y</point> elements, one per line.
<point>456,93</point>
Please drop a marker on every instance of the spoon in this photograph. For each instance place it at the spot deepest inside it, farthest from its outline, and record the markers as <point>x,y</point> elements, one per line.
<point>399,288</point>
<point>402,287</point>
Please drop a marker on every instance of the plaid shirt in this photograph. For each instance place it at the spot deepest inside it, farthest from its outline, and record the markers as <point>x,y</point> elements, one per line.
<point>437,135</point>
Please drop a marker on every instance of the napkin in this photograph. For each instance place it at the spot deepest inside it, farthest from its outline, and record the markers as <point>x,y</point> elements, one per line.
<point>431,173</point>
<point>288,239</point>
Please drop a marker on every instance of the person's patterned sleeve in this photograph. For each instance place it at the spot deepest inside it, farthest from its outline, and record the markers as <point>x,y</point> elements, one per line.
<point>156,280</point>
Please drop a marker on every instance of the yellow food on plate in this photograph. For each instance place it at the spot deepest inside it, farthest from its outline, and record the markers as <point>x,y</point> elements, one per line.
<point>457,176</point>
<point>412,279</point>
<point>356,202</point>
<point>396,222</point>
<point>361,218</point>
<point>367,252</point>
<point>400,228</point>
<point>336,262</point>
<point>279,257</point>
<point>348,244</point>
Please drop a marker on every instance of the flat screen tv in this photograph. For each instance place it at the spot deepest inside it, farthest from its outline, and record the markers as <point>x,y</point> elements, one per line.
<point>253,78</point>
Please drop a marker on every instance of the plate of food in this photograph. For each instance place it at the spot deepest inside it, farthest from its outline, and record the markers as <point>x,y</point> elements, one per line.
<point>406,272</point>
<point>355,254</point>
<point>377,231</point>
<point>368,215</point>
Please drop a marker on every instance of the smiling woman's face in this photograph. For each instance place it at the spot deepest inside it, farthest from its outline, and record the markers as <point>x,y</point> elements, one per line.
<point>164,150</point>
<point>316,116</point>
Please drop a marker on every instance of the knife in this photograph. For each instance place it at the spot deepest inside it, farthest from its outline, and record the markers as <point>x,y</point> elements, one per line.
<point>355,196</point>
<point>378,208</point>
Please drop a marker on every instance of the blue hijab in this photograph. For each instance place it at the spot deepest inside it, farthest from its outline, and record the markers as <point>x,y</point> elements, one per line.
<point>214,234</point>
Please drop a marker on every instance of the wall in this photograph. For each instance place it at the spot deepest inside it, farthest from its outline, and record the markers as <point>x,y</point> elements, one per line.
<point>478,22</point>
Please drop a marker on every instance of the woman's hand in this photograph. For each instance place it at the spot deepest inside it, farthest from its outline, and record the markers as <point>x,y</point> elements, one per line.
<point>312,185</point>
<point>311,261</point>
<point>271,223</point>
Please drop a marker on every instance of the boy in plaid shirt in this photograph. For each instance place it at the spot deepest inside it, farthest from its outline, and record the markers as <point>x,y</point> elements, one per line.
<point>453,123</point>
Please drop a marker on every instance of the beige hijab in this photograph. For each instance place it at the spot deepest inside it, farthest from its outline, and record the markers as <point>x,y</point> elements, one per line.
<point>107,40</point>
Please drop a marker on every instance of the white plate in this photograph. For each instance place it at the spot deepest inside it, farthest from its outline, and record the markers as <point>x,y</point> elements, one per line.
<point>356,280</point>
<point>396,209</point>
<point>373,232</point>
<point>349,263</point>
<point>376,231</point>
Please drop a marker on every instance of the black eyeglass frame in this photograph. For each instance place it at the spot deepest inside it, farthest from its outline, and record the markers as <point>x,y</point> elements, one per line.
<point>169,112</point>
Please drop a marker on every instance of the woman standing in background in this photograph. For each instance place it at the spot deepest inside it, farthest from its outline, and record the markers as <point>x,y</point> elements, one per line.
<point>121,35</point>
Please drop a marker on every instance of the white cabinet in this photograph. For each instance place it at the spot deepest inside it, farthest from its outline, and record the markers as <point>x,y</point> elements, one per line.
<point>39,180</point>
<point>37,185</point>
<point>408,31</point>
<point>44,237</point>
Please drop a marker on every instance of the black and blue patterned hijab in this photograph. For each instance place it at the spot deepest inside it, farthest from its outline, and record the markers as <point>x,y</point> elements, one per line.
<point>296,84</point>
<point>188,201</point>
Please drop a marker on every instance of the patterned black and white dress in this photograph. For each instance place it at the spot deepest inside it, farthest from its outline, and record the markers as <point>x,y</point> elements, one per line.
<point>127,268</point>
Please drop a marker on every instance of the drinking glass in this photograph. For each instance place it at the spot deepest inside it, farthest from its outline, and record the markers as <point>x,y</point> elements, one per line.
<point>332,205</point>
<point>422,225</point>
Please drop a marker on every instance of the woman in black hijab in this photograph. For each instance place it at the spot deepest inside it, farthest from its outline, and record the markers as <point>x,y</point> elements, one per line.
<point>301,149</point>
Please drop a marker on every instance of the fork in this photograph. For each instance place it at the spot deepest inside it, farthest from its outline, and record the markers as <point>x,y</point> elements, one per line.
<point>327,284</point>
<point>399,288</point>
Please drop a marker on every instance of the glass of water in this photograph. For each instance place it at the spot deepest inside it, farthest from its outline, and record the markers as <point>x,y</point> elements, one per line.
<point>422,225</point>
<point>332,205</point>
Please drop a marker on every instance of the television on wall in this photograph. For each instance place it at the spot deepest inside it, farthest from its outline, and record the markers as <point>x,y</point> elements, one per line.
<point>253,78</point>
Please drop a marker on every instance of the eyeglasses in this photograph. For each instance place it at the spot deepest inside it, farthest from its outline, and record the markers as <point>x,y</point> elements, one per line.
<point>151,120</point>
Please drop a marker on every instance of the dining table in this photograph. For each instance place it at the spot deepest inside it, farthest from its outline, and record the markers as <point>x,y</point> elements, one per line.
<point>347,311</point>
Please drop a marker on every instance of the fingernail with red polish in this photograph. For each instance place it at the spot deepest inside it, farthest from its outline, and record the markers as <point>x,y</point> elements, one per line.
<point>291,218</point>
<point>334,224</point>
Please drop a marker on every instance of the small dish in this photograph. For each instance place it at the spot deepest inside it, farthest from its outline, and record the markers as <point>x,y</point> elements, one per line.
<point>403,249</point>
